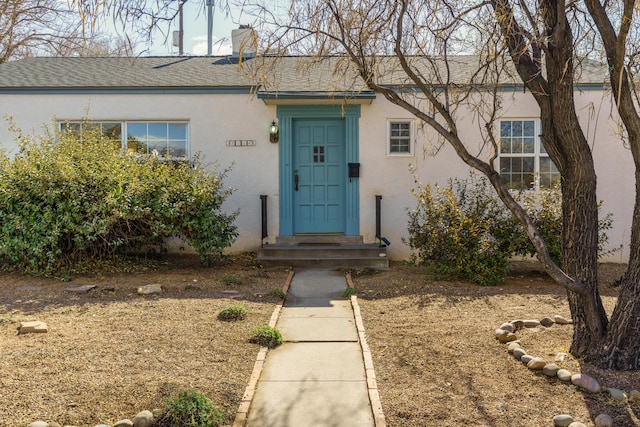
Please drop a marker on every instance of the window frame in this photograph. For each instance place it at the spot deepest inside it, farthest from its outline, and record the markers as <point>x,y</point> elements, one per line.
<point>389,138</point>
<point>536,155</point>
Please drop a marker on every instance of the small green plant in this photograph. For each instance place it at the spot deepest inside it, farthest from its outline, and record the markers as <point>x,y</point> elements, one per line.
<point>278,293</point>
<point>233,313</point>
<point>348,292</point>
<point>266,336</point>
<point>231,280</point>
<point>189,409</point>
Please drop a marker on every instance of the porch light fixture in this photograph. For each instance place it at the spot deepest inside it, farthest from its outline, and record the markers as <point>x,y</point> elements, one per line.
<point>274,133</point>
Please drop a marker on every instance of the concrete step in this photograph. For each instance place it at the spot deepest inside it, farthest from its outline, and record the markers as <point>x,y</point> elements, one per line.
<point>319,239</point>
<point>325,256</point>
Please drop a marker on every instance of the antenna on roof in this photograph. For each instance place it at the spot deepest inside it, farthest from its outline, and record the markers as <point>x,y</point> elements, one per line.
<point>209,27</point>
<point>178,36</point>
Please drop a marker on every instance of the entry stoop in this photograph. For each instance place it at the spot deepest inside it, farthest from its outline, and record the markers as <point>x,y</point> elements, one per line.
<point>324,251</point>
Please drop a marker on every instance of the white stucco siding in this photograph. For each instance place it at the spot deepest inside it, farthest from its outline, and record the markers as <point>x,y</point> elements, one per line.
<point>216,118</point>
<point>213,119</point>
<point>391,177</point>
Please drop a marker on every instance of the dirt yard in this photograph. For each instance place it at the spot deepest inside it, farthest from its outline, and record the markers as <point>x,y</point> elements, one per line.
<point>438,364</point>
<point>111,353</point>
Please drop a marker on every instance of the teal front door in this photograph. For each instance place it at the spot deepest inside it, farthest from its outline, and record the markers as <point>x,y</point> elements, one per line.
<point>319,176</point>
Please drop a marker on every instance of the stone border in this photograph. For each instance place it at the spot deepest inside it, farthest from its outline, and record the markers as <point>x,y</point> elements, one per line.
<point>372,384</point>
<point>506,334</point>
<point>245,403</point>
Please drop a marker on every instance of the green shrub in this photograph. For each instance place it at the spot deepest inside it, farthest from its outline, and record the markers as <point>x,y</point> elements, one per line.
<point>189,410</point>
<point>464,231</point>
<point>69,198</point>
<point>545,209</point>
<point>266,336</point>
<point>233,313</point>
<point>451,232</point>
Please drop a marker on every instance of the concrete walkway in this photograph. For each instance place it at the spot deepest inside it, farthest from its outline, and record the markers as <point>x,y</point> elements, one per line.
<point>318,376</point>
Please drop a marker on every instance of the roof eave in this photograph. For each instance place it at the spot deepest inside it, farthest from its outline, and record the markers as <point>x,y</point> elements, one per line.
<point>291,97</point>
<point>124,90</point>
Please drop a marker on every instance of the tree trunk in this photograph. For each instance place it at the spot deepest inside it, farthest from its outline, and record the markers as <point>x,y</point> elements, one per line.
<point>568,148</point>
<point>621,347</point>
<point>580,225</point>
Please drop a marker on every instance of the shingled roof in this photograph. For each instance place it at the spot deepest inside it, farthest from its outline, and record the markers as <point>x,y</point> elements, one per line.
<point>287,74</point>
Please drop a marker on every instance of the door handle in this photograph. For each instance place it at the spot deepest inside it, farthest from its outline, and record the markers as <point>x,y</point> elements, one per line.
<point>296,178</point>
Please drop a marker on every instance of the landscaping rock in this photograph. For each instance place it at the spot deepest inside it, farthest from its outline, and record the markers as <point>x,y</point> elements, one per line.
<point>586,382</point>
<point>550,369</point>
<point>35,327</point>
<point>82,289</point>
<point>504,336</point>
<point>512,346</point>
<point>531,323</point>
<point>617,395</point>
<point>526,358</point>
<point>508,327</point>
<point>547,322</point>
<point>564,375</point>
<point>150,289</point>
<point>536,364</point>
<point>143,419</point>
<point>562,420</point>
<point>577,424</point>
<point>518,324</point>
<point>634,396</point>
<point>603,420</point>
<point>561,320</point>
<point>124,423</point>
<point>509,337</point>
<point>519,352</point>
<point>39,424</point>
<point>54,424</point>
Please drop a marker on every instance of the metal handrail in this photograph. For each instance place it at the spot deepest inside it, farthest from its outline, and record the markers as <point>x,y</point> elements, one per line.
<point>263,203</point>
<point>379,236</point>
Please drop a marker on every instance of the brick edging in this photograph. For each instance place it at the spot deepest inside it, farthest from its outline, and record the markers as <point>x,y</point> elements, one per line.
<point>372,384</point>
<point>243,409</point>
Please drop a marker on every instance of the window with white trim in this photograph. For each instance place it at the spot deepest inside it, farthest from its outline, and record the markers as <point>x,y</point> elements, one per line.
<point>165,140</point>
<point>524,163</point>
<point>400,138</point>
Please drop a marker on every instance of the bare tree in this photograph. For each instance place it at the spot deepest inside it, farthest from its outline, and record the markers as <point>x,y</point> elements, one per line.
<point>30,27</point>
<point>57,28</point>
<point>398,46</point>
<point>142,18</point>
<point>620,347</point>
<point>98,46</point>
